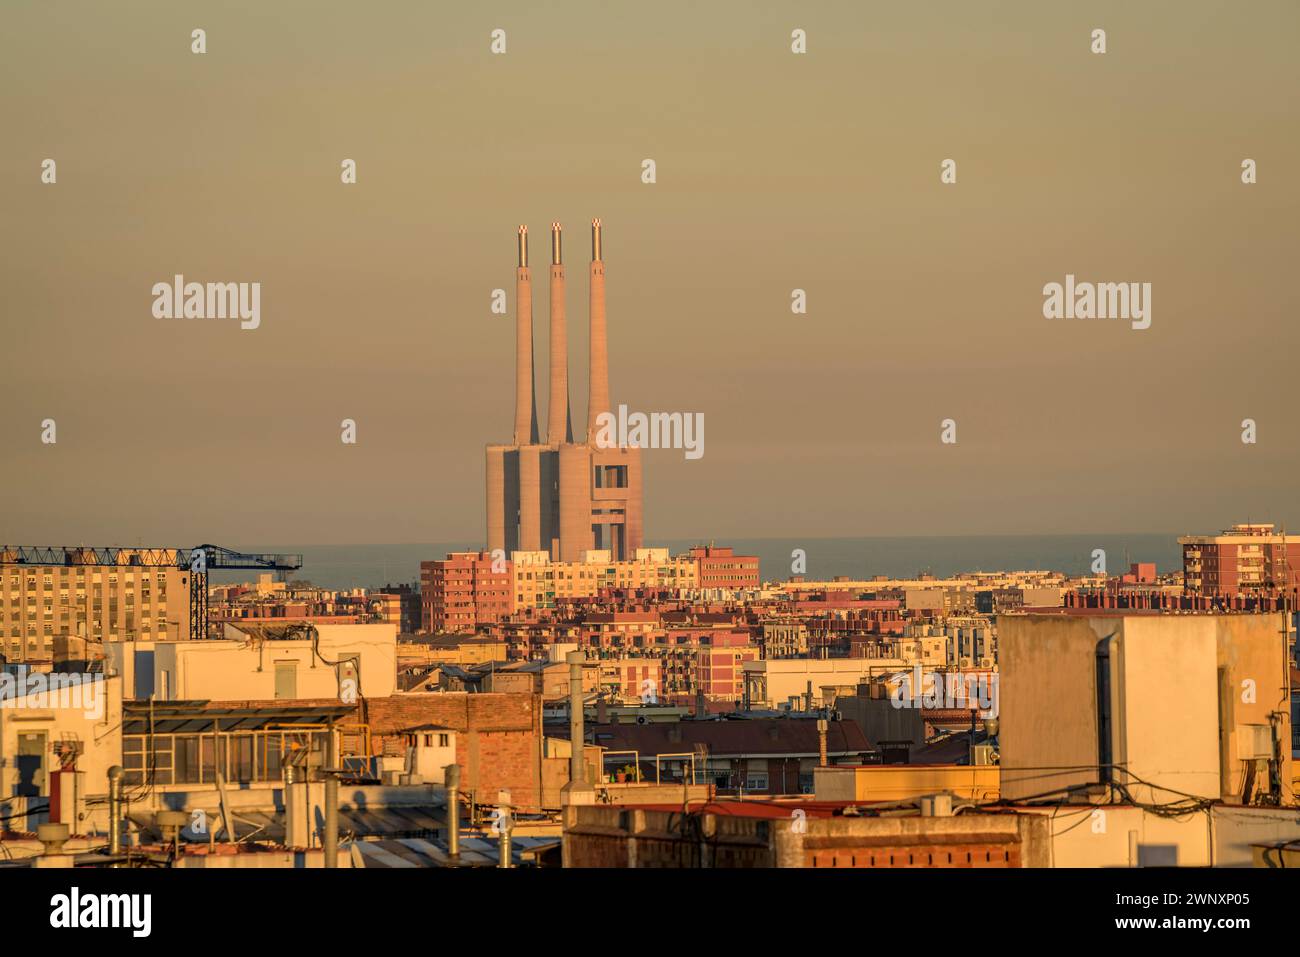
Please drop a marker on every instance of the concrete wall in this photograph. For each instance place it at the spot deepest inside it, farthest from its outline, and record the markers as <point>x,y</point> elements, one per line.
<point>1165,700</point>
<point>1121,836</point>
<point>1254,682</point>
<point>241,669</point>
<point>898,782</point>
<point>596,836</point>
<point>1186,691</point>
<point>1047,667</point>
<point>431,760</point>
<point>91,717</point>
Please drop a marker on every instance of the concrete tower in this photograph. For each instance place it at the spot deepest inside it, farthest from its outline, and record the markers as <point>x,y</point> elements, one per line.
<point>598,388</point>
<point>559,423</point>
<point>525,392</point>
<point>549,494</point>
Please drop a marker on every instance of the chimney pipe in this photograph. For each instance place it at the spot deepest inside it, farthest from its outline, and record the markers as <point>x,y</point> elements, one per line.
<point>577,761</point>
<point>598,354</point>
<point>503,843</point>
<point>525,390</point>
<point>453,811</point>
<point>331,837</point>
<point>821,742</point>
<point>115,809</point>
<point>559,423</point>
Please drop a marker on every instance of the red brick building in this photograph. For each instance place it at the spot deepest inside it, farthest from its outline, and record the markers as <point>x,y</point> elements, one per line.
<point>498,737</point>
<point>462,591</point>
<point>722,568</point>
<point>720,665</point>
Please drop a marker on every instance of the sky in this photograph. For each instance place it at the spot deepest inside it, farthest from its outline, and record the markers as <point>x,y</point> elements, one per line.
<point>775,172</point>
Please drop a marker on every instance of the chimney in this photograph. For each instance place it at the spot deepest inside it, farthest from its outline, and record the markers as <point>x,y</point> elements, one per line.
<point>598,393</point>
<point>115,809</point>
<point>577,759</point>
<point>451,778</point>
<point>559,423</point>
<point>525,392</point>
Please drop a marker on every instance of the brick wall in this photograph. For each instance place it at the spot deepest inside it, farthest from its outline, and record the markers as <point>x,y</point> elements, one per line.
<point>498,741</point>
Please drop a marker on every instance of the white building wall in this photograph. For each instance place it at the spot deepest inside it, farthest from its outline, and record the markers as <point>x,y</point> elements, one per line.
<point>239,668</point>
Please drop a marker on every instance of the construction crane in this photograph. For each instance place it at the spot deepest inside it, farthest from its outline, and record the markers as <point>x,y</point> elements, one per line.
<point>198,561</point>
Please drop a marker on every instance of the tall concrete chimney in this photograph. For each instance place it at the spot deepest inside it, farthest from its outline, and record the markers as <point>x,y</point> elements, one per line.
<point>559,424</point>
<point>598,394</point>
<point>525,391</point>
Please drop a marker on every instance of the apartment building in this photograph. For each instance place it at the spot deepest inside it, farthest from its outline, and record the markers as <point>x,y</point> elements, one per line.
<point>632,679</point>
<point>467,589</point>
<point>97,602</point>
<point>722,569</point>
<point>538,582</point>
<point>1241,560</point>
<point>785,638</point>
<point>464,590</point>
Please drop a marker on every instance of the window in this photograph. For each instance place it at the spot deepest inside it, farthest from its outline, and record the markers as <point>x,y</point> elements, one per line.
<point>188,765</point>
<point>241,757</point>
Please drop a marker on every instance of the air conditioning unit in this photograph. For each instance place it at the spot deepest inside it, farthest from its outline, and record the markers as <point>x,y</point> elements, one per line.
<point>963,662</point>
<point>986,662</point>
<point>985,754</point>
<point>1254,742</point>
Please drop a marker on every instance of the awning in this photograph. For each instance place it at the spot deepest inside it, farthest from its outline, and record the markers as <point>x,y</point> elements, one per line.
<point>197,717</point>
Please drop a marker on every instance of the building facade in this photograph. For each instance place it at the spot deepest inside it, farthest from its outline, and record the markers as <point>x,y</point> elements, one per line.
<point>95,602</point>
<point>464,590</point>
<point>722,568</point>
<point>1242,560</point>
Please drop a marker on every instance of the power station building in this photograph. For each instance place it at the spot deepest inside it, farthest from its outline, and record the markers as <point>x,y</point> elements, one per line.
<point>557,495</point>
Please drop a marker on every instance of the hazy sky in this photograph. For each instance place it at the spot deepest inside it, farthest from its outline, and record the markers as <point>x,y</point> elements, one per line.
<point>775,172</point>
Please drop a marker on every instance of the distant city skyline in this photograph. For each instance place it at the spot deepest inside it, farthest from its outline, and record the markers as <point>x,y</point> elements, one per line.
<point>373,564</point>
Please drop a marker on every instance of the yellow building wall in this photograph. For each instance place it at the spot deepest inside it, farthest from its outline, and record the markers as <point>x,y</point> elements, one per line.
<point>899,782</point>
